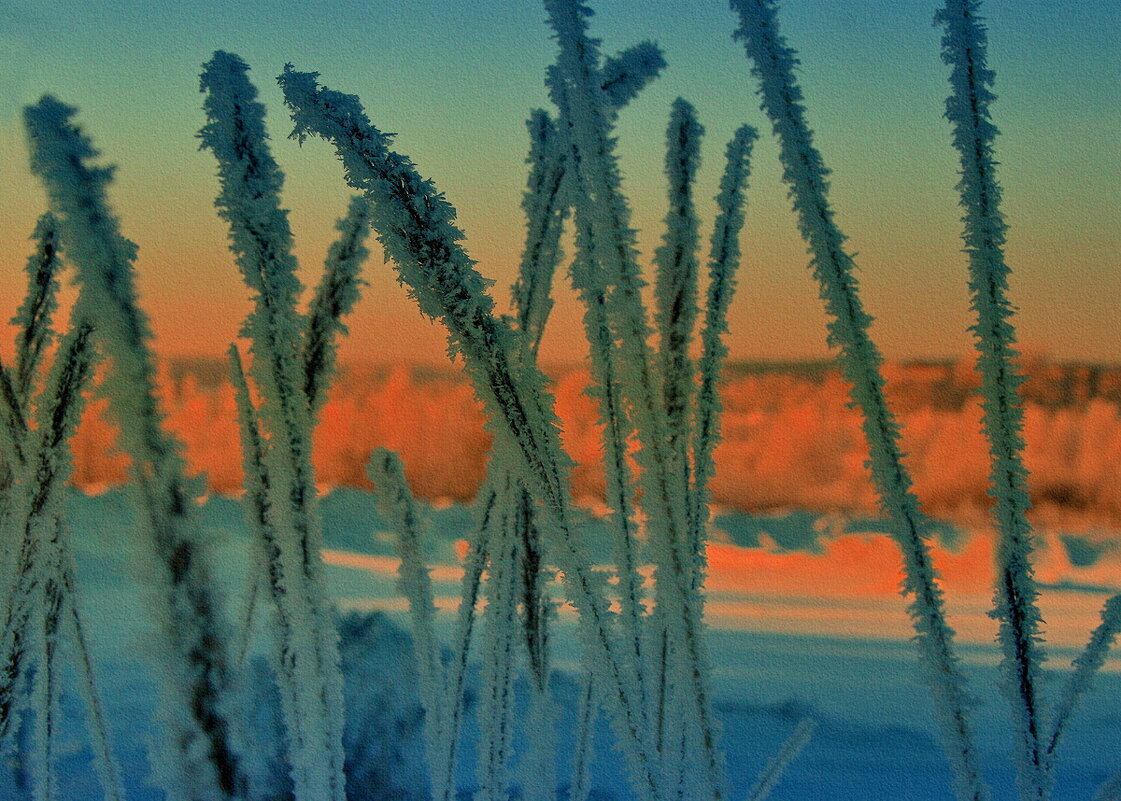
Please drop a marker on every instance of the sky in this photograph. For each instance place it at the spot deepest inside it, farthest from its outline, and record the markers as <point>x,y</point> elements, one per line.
<point>456,81</point>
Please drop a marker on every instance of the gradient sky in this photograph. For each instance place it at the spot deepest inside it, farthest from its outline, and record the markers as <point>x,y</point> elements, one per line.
<point>456,80</point>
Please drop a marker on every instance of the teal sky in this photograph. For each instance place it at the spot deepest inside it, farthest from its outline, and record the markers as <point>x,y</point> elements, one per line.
<point>457,79</point>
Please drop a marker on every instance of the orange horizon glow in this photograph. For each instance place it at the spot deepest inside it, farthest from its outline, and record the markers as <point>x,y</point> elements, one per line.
<point>196,303</point>
<point>788,442</point>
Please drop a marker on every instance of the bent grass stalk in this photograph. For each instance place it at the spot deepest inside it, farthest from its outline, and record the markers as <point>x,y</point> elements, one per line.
<point>629,72</point>
<point>195,758</point>
<point>414,225</point>
<point>250,180</point>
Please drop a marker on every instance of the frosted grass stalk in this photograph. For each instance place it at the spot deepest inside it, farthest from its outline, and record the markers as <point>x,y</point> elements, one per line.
<point>776,768</point>
<point>478,551</point>
<point>334,298</point>
<point>545,208</point>
<point>33,337</point>
<point>500,627</point>
<point>607,390</point>
<point>531,586</point>
<point>546,202</point>
<point>1086,666</point>
<point>265,572</point>
<point>34,316</point>
<point>198,763</point>
<point>47,582</point>
<point>45,692</point>
<point>60,410</point>
<point>604,234</point>
<point>20,554</point>
<point>531,605</point>
<point>675,288</point>
<point>415,226</point>
<point>398,508</point>
<point>39,514</point>
<point>39,462</point>
<point>724,259</point>
<point>255,481</point>
<point>545,212</point>
<point>260,238</point>
<point>12,426</point>
<point>19,587</point>
<point>964,46</point>
<point>675,295</point>
<point>255,503</point>
<point>13,423</point>
<point>860,360</point>
<point>580,786</point>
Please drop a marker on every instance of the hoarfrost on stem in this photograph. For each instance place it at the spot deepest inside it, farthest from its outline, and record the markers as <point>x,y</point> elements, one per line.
<point>307,662</point>
<point>860,360</point>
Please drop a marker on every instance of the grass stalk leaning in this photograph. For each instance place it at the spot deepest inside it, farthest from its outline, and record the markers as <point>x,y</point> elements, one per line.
<point>964,49</point>
<point>724,259</point>
<point>195,758</point>
<point>415,226</point>
<point>605,237</point>
<point>860,360</point>
<point>250,181</point>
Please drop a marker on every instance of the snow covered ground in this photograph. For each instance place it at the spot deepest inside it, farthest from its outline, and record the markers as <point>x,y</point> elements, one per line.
<point>806,624</point>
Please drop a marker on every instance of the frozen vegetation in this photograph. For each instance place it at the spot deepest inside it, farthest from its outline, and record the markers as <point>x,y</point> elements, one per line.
<point>577,663</point>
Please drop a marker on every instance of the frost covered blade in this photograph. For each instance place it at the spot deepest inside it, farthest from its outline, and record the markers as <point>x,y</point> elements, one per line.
<point>197,760</point>
<point>334,298</point>
<point>261,240</point>
<point>608,278</point>
<point>415,225</point>
<point>964,46</point>
<point>804,171</point>
<point>724,259</point>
